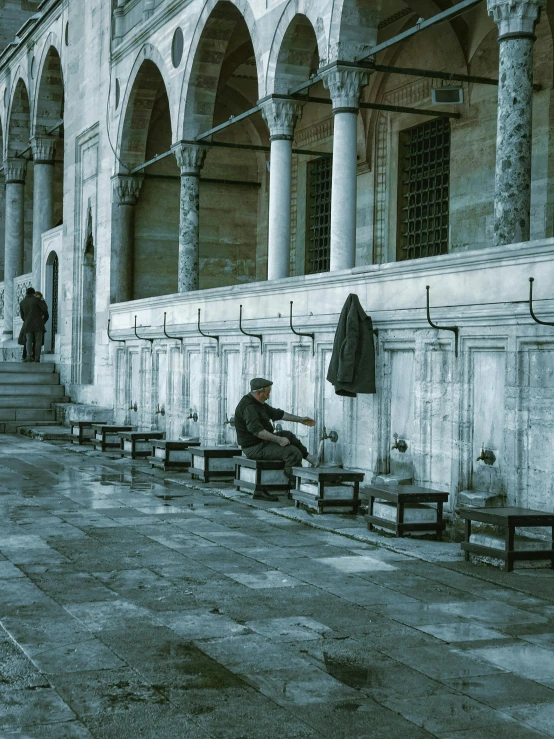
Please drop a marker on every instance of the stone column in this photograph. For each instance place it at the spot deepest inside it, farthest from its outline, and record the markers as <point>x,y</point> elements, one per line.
<point>190,159</point>
<point>345,86</point>
<point>516,21</point>
<point>44,151</point>
<point>281,117</point>
<point>126,189</point>
<point>14,172</point>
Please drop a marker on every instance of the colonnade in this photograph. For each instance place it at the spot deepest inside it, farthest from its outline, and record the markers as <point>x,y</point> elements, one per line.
<point>15,172</point>
<point>516,21</point>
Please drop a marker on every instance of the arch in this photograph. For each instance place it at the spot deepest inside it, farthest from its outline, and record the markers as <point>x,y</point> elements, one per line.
<point>295,43</point>
<point>147,80</point>
<point>50,89</point>
<point>219,25</point>
<point>354,27</point>
<point>19,119</point>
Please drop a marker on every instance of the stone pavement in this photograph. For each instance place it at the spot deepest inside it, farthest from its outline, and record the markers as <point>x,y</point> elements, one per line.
<point>132,608</point>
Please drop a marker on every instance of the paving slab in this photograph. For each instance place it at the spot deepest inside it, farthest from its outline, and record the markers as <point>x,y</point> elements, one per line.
<point>151,606</point>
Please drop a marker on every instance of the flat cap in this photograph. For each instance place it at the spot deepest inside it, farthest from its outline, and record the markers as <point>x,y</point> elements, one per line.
<point>258,383</point>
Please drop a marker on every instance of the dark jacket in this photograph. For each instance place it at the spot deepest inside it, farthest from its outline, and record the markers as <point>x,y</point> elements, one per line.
<point>352,366</point>
<point>34,313</point>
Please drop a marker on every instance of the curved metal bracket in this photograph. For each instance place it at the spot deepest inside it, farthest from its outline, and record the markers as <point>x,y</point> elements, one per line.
<point>122,341</point>
<point>207,335</point>
<point>298,333</point>
<point>256,336</point>
<point>533,316</point>
<point>179,338</point>
<point>143,338</point>
<point>455,330</point>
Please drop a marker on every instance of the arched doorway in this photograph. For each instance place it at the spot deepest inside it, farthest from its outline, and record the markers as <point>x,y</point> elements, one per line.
<point>51,295</point>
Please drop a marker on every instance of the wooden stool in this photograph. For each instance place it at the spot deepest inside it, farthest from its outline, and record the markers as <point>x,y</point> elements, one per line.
<point>509,547</point>
<point>82,431</point>
<point>403,510</point>
<point>172,455</point>
<point>138,444</point>
<point>106,437</point>
<point>213,462</point>
<point>255,475</point>
<point>322,489</point>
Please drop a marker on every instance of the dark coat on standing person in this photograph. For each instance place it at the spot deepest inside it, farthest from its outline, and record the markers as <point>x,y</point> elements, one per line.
<point>352,366</point>
<point>34,313</point>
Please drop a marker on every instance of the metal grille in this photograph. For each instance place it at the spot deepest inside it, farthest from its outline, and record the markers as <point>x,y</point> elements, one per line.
<point>55,277</point>
<point>318,242</point>
<point>424,195</point>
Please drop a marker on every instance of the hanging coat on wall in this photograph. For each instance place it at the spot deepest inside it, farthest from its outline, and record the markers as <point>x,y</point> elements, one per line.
<point>352,366</point>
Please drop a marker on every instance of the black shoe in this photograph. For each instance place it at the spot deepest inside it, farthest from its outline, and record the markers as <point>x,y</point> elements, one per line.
<point>265,495</point>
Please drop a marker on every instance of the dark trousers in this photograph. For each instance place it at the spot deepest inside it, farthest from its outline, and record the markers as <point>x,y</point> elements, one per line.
<point>33,344</point>
<point>292,455</point>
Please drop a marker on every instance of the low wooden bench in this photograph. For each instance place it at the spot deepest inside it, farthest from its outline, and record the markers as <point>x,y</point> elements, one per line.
<point>82,431</point>
<point>138,444</point>
<point>508,548</point>
<point>172,455</point>
<point>322,489</point>
<point>213,462</point>
<point>106,436</point>
<point>404,508</point>
<point>255,475</point>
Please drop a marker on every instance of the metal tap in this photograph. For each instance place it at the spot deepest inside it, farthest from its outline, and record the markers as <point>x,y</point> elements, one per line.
<point>230,421</point>
<point>332,435</point>
<point>193,416</point>
<point>399,444</point>
<point>161,410</point>
<point>133,407</point>
<point>487,456</point>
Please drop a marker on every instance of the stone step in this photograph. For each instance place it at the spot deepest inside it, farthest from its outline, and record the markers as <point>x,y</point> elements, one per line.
<point>30,378</point>
<point>28,401</point>
<point>12,427</point>
<point>52,391</point>
<point>43,368</point>
<point>27,414</point>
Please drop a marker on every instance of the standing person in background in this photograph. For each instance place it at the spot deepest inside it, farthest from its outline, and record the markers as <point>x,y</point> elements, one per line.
<point>34,314</point>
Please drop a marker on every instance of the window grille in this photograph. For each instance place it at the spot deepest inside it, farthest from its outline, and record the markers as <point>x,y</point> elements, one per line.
<point>55,277</point>
<point>424,191</point>
<point>318,220</point>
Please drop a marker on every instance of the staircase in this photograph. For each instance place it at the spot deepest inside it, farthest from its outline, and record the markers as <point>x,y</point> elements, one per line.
<point>27,391</point>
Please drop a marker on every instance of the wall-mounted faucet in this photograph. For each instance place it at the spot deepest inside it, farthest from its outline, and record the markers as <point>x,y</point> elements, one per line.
<point>160,411</point>
<point>133,407</point>
<point>193,416</point>
<point>332,435</point>
<point>487,455</point>
<point>400,444</point>
<point>230,421</point>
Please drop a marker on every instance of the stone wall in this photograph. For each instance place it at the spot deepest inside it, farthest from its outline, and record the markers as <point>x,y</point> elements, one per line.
<point>495,393</point>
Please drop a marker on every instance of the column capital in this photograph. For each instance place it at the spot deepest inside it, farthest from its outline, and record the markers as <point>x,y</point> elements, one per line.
<point>281,117</point>
<point>190,158</point>
<point>44,149</point>
<point>126,188</point>
<point>516,18</point>
<point>345,86</point>
<point>15,169</point>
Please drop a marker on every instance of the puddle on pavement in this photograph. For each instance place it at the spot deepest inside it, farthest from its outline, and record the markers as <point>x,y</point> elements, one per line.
<point>347,673</point>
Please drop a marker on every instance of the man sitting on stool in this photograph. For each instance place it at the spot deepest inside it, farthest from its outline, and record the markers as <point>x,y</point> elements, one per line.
<point>256,436</point>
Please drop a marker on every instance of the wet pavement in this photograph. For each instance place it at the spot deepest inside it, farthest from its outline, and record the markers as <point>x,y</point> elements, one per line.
<point>130,607</point>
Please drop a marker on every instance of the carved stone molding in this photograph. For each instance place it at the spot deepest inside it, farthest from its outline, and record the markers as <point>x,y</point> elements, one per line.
<point>281,117</point>
<point>516,17</point>
<point>15,169</point>
<point>190,158</point>
<point>345,86</point>
<point>44,149</point>
<point>126,189</point>
<point>318,132</point>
